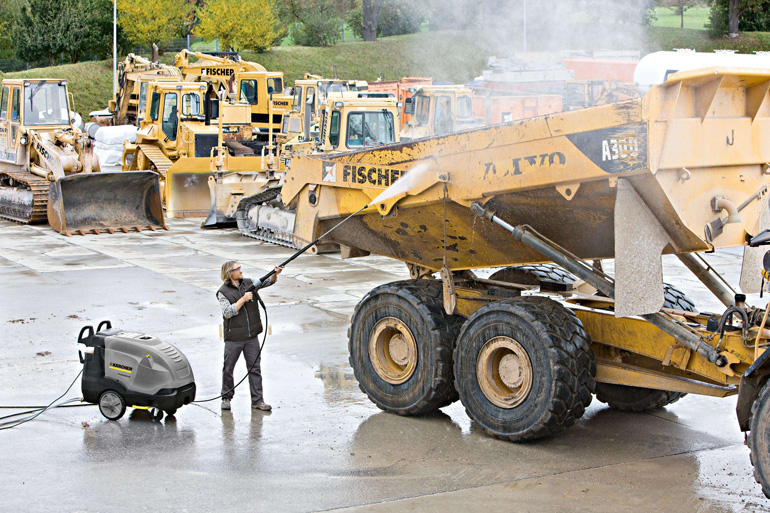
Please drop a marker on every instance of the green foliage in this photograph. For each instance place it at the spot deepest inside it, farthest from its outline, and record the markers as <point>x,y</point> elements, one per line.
<point>152,21</point>
<point>756,16</point>
<point>317,23</point>
<point>397,17</point>
<point>40,31</point>
<point>240,24</point>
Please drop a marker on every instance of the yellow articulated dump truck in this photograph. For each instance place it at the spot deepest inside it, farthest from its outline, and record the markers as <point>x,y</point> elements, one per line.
<point>682,170</point>
<point>348,122</point>
<point>47,170</point>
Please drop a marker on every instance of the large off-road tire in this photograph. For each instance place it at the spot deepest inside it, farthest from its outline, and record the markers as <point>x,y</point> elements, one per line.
<point>636,399</point>
<point>400,342</point>
<point>522,369</point>
<point>759,438</point>
<point>547,276</point>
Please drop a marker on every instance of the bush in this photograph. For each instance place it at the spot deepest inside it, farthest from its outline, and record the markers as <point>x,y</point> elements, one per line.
<point>317,29</point>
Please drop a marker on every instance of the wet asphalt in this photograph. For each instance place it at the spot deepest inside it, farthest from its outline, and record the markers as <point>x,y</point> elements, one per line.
<point>325,446</point>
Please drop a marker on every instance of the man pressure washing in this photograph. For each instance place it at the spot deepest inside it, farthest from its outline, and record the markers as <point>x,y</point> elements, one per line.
<point>242,326</point>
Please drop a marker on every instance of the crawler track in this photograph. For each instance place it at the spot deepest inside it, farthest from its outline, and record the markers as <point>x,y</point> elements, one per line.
<point>25,213</point>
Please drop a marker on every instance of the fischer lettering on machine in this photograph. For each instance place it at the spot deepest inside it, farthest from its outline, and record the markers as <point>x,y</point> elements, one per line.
<point>377,176</point>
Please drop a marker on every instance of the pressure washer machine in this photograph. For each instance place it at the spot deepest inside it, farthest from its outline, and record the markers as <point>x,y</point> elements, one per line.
<point>123,368</point>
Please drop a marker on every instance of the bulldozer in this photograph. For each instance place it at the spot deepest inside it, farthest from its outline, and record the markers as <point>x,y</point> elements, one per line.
<point>543,202</point>
<point>47,170</point>
<point>308,103</point>
<point>347,124</point>
<point>182,127</point>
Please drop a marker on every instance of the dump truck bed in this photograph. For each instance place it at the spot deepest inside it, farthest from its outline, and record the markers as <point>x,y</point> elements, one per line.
<point>699,133</point>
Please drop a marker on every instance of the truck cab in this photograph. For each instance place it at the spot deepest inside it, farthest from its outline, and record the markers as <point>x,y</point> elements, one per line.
<point>39,104</point>
<point>438,110</point>
<point>263,92</point>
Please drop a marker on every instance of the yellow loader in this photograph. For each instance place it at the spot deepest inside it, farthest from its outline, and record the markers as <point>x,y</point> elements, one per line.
<point>681,171</point>
<point>47,169</point>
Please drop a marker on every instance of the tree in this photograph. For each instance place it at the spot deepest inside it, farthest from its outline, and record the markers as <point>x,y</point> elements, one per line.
<point>732,16</point>
<point>371,17</point>
<point>396,17</point>
<point>40,31</point>
<point>239,24</point>
<point>151,21</point>
<point>314,22</point>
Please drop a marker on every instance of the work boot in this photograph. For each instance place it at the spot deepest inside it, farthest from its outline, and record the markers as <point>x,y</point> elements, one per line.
<point>261,405</point>
<point>225,404</point>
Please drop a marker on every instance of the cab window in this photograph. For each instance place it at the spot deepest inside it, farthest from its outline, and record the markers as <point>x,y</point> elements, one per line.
<point>154,106</point>
<point>310,101</point>
<point>170,116</point>
<point>45,103</point>
<point>249,91</point>
<point>16,105</point>
<point>442,122</point>
<point>274,85</point>
<point>295,106</point>
<point>369,128</point>
<point>464,107</point>
<point>191,105</point>
<point>422,109</point>
<point>4,104</point>
<point>334,129</point>
<point>142,96</point>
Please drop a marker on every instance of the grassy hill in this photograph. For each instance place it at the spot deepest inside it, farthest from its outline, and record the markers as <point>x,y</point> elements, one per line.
<point>455,56</point>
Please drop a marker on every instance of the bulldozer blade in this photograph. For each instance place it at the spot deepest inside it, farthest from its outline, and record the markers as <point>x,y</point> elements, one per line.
<point>105,202</point>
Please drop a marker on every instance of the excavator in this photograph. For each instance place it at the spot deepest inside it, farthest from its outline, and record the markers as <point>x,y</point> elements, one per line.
<point>47,170</point>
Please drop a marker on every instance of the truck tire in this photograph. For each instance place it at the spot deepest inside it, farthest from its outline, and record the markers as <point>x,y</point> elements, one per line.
<point>550,276</point>
<point>759,439</point>
<point>585,366</point>
<point>400,343</point>
<point>517,368</point>
<point>635,399</point>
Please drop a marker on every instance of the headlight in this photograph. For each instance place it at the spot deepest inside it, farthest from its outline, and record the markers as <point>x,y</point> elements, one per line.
<point>23,140</point>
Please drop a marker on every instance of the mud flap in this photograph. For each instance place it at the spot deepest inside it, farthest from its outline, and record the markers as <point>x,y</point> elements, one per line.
<point>105,202</point>
<point>639,243</point>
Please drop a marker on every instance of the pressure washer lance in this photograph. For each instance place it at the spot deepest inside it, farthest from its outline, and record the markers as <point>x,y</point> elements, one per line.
<point>263,280</point>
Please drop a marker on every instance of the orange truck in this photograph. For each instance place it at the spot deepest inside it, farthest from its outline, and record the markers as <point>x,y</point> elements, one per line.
<point>401,89</point>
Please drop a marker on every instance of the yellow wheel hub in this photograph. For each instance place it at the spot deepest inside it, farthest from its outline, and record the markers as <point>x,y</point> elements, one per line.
<point>504,372</point>
<point>392,350</point>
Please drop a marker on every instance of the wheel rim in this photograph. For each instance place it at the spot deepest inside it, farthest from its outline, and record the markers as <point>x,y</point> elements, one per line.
<point>393,350</point>
<point>110,404</point>
<point>504,372</point>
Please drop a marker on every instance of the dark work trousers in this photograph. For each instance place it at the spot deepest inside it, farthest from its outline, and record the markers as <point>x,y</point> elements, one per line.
<point>250,350</point>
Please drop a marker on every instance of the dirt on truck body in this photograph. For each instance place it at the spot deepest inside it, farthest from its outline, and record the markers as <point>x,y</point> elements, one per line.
<point>680,171</point>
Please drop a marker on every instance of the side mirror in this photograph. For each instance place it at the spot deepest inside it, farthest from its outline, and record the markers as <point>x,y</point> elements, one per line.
<point>409,106</point>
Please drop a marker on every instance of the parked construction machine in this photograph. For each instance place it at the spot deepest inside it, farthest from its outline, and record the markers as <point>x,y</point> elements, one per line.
<point>681,171</point>
<point>439,109</point>
<point>47,170</point>
<point>347,124</point>
<point>249,81</point>
<point>182,127</point>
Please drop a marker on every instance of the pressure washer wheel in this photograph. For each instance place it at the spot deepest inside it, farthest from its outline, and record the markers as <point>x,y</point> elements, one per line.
<point>401,347</point>
<point>759,439</point>
<point>635,399</point>
<point>112,405</point>
<point>524,368</point>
